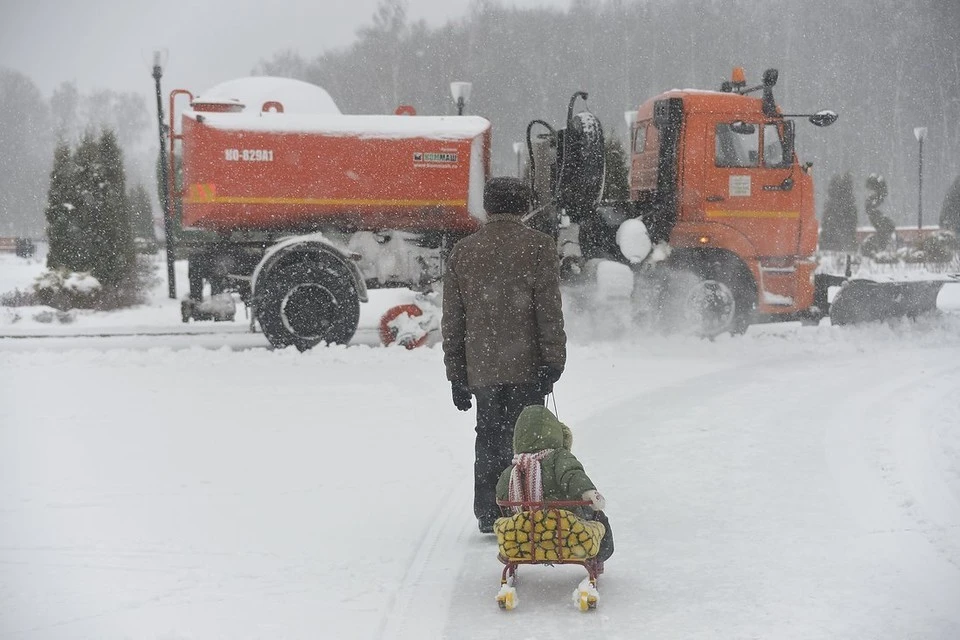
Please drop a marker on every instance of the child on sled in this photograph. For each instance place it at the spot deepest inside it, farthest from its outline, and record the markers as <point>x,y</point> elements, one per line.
<point>544,470</point>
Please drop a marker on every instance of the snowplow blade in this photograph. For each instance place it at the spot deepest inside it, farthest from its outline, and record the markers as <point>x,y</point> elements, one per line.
<point>868,301</point>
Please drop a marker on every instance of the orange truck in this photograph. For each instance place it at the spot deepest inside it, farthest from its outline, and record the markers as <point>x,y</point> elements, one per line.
<point>720,229</point>
<point>303,208</point>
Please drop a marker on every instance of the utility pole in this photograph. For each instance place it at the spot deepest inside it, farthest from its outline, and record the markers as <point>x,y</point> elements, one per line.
<point>164,182</point>
<point>920,133</point>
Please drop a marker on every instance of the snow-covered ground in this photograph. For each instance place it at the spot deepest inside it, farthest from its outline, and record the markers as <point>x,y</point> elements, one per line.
<point>796,482</point>
<point>159,316</point>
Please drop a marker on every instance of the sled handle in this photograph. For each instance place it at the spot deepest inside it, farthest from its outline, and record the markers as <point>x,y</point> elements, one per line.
<point>531,505</point>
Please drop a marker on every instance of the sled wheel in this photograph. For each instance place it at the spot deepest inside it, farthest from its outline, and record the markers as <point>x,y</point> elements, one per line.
<point>587,601</point>
<point>584,601</point>
<point>507,599</point>
<point>388,335</point>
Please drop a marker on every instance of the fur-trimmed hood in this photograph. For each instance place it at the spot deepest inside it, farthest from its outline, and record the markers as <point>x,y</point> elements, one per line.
<point>537,429</point>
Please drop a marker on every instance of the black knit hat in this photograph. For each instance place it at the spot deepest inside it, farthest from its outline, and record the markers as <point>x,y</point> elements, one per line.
<point>506,195</point>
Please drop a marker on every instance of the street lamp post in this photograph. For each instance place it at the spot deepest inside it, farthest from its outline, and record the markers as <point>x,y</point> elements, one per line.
<point>164,181</point>
<point>461,94</point>
<point>920,133</point>
<point>630,117</point>
<point>518,151</point>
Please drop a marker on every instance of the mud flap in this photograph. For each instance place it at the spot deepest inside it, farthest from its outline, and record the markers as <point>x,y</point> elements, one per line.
<point>868,301</point>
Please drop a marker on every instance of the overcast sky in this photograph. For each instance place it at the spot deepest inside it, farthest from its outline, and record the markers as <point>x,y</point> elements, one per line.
<point>108,43</point>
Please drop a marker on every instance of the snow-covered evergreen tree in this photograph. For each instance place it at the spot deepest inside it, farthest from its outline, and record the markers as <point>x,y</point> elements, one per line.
<point>838,231</point>
<point>950,211</point>
<point>89,226</point>
<point>105,244</point>
<point>61,211</point>
<point>113,252</point>
<point>141,214</point>
<point>885,227</point>
<point>86,178</point>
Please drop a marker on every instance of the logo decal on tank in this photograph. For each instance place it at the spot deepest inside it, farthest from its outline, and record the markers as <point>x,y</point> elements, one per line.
<point>438,159</point>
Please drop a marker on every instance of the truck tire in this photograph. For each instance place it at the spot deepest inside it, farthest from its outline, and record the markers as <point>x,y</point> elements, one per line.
<point>714,306</point>
<point>739,281</point>
<point>718,295</point>
<point>308,302</point>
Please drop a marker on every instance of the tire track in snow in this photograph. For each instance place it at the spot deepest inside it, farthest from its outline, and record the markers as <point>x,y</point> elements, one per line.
<point>903,464</point>
<point>419,606</point>
<point>745,535</point>
<point>545,609</point>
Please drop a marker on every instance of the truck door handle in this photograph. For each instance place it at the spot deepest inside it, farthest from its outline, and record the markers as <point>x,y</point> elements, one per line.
<point>714,198</point>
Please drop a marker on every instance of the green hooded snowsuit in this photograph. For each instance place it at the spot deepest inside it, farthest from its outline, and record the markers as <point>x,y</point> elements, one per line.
<point>562,474</point>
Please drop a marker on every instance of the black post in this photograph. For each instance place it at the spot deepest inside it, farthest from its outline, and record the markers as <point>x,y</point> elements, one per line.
<point>920,196</point>
<point>460,105</point>
<point>165,187</point>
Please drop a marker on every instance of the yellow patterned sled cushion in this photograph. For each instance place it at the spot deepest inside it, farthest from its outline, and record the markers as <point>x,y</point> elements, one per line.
<point>537,535</point>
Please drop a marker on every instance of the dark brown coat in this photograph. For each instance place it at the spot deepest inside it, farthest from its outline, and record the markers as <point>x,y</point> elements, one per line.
<point>501,306</point>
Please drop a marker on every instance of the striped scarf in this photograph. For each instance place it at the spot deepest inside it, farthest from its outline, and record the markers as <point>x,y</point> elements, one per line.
<point>526,481</point>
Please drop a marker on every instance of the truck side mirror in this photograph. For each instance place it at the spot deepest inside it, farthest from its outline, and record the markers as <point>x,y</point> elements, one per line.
<point>789,137</point>
<point>823,118</point>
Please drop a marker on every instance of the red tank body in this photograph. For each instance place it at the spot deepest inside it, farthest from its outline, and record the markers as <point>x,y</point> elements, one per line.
<point>279,171</point>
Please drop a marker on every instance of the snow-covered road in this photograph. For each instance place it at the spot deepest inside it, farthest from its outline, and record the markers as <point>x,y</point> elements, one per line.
<point>791,483</point>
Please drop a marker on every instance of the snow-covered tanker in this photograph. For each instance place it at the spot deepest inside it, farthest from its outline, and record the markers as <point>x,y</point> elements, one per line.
<point>302,209</point>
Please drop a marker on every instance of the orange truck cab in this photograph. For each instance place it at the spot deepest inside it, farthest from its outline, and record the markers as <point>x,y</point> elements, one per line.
<point>713,174</point>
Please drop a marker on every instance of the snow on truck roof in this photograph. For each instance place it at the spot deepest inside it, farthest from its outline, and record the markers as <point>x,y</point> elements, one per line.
<point>308,108</point>
<point>705,100</point>
<point>295,95</point>
<point>366,126</point>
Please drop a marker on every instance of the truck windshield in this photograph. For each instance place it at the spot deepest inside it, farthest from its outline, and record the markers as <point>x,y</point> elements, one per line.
<point>737,145</point>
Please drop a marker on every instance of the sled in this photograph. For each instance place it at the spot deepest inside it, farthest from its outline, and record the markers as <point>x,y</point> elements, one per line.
<point>547,533</point>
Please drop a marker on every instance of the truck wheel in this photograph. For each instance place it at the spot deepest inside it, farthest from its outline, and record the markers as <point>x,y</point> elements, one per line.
<point>711,309</point>
<point>713,297</point>
<point>736,278</point>
<point>306,303</point>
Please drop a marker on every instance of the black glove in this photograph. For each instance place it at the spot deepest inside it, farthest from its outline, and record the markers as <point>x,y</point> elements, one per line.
<point>546,376</point>
<point>461,396</point>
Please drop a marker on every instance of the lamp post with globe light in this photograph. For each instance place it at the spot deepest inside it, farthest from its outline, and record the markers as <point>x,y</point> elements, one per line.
<point>630,117</point>
<point>159,57</point>
<point>461,94</point>
<point>518,151</point>
<point>920,133</point>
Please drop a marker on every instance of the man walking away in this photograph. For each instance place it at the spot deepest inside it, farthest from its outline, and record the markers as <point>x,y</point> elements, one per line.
<point>503,337</point>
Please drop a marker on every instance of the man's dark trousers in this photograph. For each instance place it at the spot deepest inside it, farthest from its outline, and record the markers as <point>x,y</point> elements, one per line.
<point>498,408</point>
